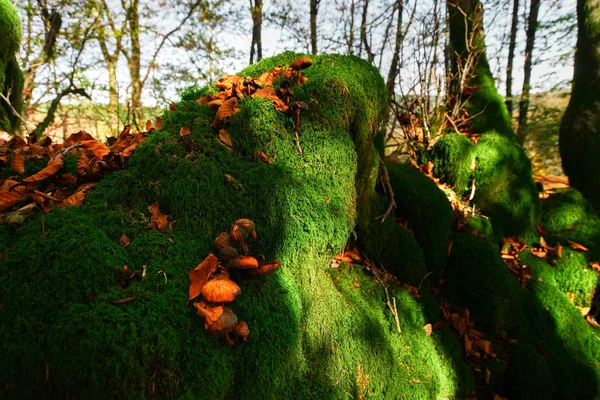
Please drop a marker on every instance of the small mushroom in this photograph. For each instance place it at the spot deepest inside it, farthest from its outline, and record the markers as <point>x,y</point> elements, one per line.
<point>209,312</point>
<point>220,290</point>
<point>285,91</point>
<point>227,254</point>
<point>250,84</point>
<point>226,323</point>
<point>299,64</point>
<point>223,240</point>
<point>241,331</point>
<point>295,108</point>
<point>243,262</point>
<point>236,92</point>
<point>265,269</point>
<point>242,230</point>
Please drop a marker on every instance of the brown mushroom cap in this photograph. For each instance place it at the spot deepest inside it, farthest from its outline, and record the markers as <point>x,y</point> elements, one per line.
<point>210,313</point>
<point>243,262</point>
<point>223,240</point>
<point>301,63</point>
<point>224,324</point>
<point>266,269</point>
<point>220,291</point>
<point>298,105</point>
<point>227,254</point>
<point>241,329</point>
<point>243,229</point>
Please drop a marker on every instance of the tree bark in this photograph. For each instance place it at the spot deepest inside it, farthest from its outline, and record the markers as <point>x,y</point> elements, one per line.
<point>41,127</point>
<point>256,46</point>
<point>511,55</point>
<point>579,139</point>
<point>134,65</point>
<point>532,23</point>
<point>363,32</point>
<point>314,9</point>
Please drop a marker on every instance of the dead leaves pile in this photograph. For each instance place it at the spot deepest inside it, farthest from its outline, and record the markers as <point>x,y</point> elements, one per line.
<point>511,247</point>
<point>211,287</point>
<point>48,187</point>
<point>234,88</point>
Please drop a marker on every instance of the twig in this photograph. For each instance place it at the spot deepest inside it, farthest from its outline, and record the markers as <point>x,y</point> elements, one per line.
<point>298,144</point>
<point>385,177</point>
<point>393,309</point>
<point>12,109</point>
<point>452,123</point>
<point>429,273</point>
<point>123,301</point>
<point>43,226</point>
<point>66,150</point>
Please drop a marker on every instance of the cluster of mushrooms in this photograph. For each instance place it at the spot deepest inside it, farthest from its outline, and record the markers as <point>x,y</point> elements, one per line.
<point>212,281</point>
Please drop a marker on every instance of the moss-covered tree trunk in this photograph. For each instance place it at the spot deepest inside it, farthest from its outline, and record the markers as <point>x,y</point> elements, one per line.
<point>472,83</point>
<point>495,169</point>
<point>580,128</point>
<point>11,78</point>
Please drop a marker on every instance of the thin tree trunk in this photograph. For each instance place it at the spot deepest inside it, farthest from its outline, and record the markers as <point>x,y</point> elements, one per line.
<point>394,67</point>
<point>511,55</point>
<point>532,22</point>
<point>256,46</point>
<point>314,9</point>
<point>134,65</point>
<point>363,32</point>
<point>350,40</point>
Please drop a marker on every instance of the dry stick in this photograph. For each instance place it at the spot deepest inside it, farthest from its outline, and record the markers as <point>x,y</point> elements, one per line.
<point>452,123</point>
<point>386,179</point>
<point>12,109</point>
<point>393,309</point>
<point>43,226</point>
<point>66,150</point>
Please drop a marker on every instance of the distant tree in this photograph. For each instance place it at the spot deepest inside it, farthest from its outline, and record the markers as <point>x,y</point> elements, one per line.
<point>256,44</point>
<point>579,140</point>
<point>532,24</point>
<point>511,55</point>
<point>314,9</point>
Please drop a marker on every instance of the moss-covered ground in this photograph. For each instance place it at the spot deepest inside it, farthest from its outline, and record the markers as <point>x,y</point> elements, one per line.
<point>316,331</point>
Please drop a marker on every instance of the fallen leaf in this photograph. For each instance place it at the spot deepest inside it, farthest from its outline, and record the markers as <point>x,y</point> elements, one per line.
<point>17,163</point>
<point>99,149</point>
<point>124,241</point>
<point>159,221</point>
<point>184,130</point>
<point>262,157</point>
<point>199,275</point>
<point>577,246</point>
<point>595,265</point>
<point>539,253</point>
<point>149,126</point>
<point>559,250</point>
<point>542,230</point>
<point>428,329</point>
<point>9,199</point>
<point>172,107</point>
<point>226,110</point>
<point>225,138</point>
<point>51,168</point>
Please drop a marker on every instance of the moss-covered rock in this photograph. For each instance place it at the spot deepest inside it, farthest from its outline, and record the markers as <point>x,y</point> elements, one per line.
<point>11,77</point>
<point>316,332</point>
<point>501,172</point>
<point>426,210</point>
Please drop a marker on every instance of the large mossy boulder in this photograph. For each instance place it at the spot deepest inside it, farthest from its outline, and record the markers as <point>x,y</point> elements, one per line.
<point>11,78</point>
<point>315,331</point>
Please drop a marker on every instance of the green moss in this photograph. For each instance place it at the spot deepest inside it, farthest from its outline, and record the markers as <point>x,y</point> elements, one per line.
<point>314,333</point>
<point>555,348</point>
<point>504,189</point>
<point>452,155</point>
<point>426,209</point>
<point>10,73</point>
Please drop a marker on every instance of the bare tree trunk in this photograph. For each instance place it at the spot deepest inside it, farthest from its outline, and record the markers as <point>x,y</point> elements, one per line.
<point>134,64</point>
<point>314,9</point>
<point>256,46</point>
<point>394,67</point>
<point>350,39</point>
<point>532,22</point>
<point>363,32</point>
<point>511,55</point>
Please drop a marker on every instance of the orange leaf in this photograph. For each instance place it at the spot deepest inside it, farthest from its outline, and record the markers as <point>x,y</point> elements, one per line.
<point>184,130</point>
<point>149,126</point>
<point>159,221</point>
<point>99,149</point>
<point>199,275</point>
<point>428,329</point>
<point>262,157</point>
<point>226,110</point>
<point>77,138</point>
<point>53,166</point>
<point>595,265</point>
<point>577,246</point>
<point>539,253</point>
<point>17,163</point>
<point>269,94</point>
<point>158,123</point>
<point>172,107</point>
<point>9,199</point>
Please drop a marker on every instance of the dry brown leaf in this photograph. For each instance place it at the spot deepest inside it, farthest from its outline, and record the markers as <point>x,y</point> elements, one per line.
<point>159,221</point>
<point>99,149</point>
<point>262,157</point>
<point>184,130</point>
<point>199,275</point>
<point>269,94</point>
<point>17,163</point>
<point>78,138</point>
<point>124,241</point>
<point>225,138</point>
<point>158,123</point>
<point>577,246</point>
<point>53,166</point>
<point>172,107</point>
<point>428,329</point>
<point>9,199</point>
<point>539,253</point>
<point>559,250</point>
<point>595,265</point>
<point>226,110</point>
<point>149,126</point>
